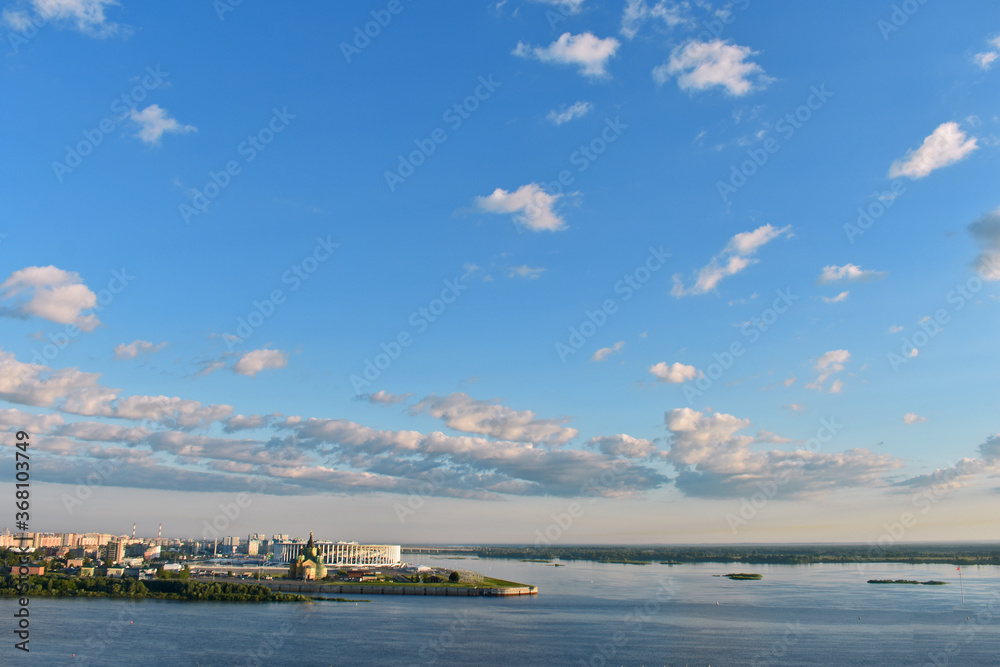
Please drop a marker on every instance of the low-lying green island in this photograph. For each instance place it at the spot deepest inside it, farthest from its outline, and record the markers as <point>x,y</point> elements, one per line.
<point>907,581</point>
<point>133,589</point>
<point>741,576</point>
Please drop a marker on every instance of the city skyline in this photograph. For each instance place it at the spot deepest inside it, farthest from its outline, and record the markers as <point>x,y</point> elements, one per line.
<point>630,272</point>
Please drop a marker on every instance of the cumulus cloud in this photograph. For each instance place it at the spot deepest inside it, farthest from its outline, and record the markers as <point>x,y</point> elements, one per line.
<point>100,432</point>
<point>713,459</point>
<point>986,232</point>
<point>736,256</point>
<point>676,373</point>
<point>966,470</point>
<point>569,6</point>
<point>531,206</point>
<point>255,361</point>
<point>587,51</point>
<point>154,122</point>
<point>316,455</point>
<point>572,112</point>
<point>87,16</point>
<point>623,445</point>
<point>828,365</point>
<point>75,392</point>
<point>385,398</point>
<point>525,271</point>
<point>911,418</point>
<point>849,272</point>
<point>464,413</point>
<point>703,65</point>
<point>638,12</point>
<point>986,60</point>
<point>947,145</point>
<point>137,348</point>
<point>605,352</point>
<point>51,294</point>
<point>12,419</point>
<point>836,299</point>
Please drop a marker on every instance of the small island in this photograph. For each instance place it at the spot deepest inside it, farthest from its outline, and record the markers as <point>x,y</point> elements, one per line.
<point>52,585</point>
<point>744,576</point>
<point>907,581</point>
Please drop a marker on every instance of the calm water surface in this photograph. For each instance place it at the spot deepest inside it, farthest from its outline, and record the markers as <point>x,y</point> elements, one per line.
<point>586,614</point>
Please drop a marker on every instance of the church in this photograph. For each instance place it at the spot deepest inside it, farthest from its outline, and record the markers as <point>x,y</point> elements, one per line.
<point>309,563</point>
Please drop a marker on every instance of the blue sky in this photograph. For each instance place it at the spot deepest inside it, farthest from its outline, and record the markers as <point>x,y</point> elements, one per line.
<point>714,272</point>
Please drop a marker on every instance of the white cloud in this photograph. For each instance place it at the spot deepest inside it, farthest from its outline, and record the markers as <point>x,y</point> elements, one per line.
<point>623,445</point>
<point>675,374</point>
<point>702,65</point>
<point>794,407</point>
<point>912,418</point>
<point>255,361</point>
<point>586,50</point>
<point>828,365</point>
<point>836,299</point>
<point>986,60</point>
<point>87,16</point>
<point>386,398</point>
<point>154,122</point>
<point>532,207</point>
<point>13,419</point>
<point>637,12</point>
<point>136,349</point>
<point>849,272</point>
<point>605,352</point>
<point>464,413</point>
<point>572,112</point>
<point>52,294</point>
<point>734,258</point>
<point>714,460</point>
<point>525,271</point>
<point>986,232</point>
<point>947,145</point>
<point>569,6</point>
<point>895,328</point>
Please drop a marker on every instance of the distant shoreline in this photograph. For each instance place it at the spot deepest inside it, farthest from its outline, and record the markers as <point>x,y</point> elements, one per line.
<point>958,554</point>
